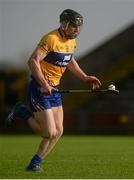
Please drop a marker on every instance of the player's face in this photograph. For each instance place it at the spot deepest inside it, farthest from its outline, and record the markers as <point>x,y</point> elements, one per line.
<point>72,31</point>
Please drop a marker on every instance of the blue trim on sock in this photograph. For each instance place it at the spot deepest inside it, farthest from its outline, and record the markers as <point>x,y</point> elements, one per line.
<point>35,161</point>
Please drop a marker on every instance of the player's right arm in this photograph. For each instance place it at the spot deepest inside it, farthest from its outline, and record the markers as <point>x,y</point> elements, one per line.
<point>34,66</point>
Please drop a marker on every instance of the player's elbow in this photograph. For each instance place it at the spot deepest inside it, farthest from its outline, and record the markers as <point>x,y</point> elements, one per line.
<point>31,63</point>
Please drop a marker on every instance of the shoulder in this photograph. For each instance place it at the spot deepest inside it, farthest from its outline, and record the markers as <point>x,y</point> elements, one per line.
<point>48,41</point>
<point>50,37</point>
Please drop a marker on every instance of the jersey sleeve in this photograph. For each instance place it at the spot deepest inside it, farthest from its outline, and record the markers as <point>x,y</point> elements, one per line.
<point>45,44</point>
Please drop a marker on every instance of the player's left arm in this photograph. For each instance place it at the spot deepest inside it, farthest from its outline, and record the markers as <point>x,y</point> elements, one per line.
<point>76,70</point>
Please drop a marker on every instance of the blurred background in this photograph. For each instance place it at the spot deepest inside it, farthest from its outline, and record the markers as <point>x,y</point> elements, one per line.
<point>105,49</point>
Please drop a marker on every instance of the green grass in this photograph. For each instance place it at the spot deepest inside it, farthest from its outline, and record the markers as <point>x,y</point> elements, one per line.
<point>90,157</point>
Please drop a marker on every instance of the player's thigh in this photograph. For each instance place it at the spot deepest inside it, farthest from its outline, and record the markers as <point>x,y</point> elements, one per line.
<point>58,118</point>
<point>45,118</point>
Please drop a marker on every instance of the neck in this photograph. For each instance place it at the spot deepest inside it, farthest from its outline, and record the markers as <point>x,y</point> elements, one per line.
<point>61,32</point>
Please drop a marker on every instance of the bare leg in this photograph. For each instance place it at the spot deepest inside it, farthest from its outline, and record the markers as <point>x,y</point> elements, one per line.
<point>48,130</point>
<point>58,117</point>
<point>50,121</point>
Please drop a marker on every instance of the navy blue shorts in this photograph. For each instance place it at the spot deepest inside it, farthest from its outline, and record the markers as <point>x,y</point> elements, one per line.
<point>38,102</point>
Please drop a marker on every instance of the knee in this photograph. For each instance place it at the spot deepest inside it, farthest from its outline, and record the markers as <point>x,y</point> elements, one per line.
<point>53,134</point>
<point>49,135</point>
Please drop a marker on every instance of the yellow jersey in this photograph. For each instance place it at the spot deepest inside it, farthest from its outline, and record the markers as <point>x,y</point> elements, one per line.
<point>59,52</point>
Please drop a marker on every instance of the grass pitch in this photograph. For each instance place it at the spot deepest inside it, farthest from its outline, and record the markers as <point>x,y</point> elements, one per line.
<point>79,157</point>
